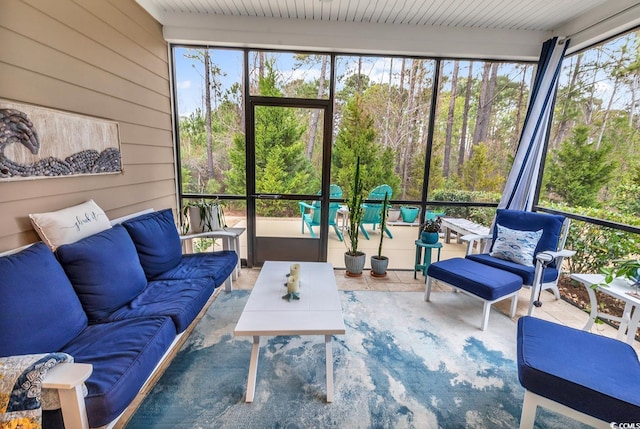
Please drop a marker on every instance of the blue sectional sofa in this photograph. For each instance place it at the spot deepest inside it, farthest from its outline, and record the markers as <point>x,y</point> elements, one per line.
<point>117,300</point>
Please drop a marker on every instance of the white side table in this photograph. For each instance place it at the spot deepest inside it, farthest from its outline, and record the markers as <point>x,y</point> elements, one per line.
<point>619,288</point>
<point>230,241</point>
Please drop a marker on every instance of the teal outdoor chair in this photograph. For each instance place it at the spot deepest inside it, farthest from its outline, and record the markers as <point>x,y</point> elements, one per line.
<point>311,212</point>
<point>372,211</point>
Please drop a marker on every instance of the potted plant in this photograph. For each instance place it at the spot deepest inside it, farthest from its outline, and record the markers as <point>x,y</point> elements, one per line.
<point>393,214</point>
<point>628,269</point>
<point>409,213</point>
<point>380,263</point>
<point>202,216</point>
<point>430,229</point>
<point>354,259</point>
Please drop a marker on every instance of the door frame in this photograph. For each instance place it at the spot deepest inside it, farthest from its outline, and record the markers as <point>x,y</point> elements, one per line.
<point>305,249</point>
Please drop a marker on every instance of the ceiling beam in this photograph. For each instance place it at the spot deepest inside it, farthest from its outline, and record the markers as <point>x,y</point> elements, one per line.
<point>352,37</point>
<point>599,24</point>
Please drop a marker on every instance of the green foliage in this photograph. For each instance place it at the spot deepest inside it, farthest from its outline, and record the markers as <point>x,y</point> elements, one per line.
<point>481,215</point>
<point>355,198</point>
<point>356,140</point>
<point>236,178</point>
<point>280,163</point>
<point>596,246</point>
<point>578,170</point>
<point>431,225</point>
<point>625,268</point>
<point>626,198</point>
<point>481,172</point>
<point>383,221</point>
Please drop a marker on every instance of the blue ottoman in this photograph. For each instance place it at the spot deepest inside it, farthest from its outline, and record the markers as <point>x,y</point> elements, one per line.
<point>481,281</point>
<point>588,377</point>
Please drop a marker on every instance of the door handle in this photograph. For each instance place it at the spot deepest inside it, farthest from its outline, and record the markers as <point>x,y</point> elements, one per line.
<point>268,196</point>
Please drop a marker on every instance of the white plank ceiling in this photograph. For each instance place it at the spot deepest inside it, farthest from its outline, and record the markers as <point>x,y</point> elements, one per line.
<point>405,24</point>
<point>489,14</point>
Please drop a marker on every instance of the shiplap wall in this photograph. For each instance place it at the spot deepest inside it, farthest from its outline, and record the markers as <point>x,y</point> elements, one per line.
<point>102,58</point>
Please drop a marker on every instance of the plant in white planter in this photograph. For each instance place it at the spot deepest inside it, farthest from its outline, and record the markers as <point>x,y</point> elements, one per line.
<point>380,263</point>
<point>354,259</point>
<point>202,216</point>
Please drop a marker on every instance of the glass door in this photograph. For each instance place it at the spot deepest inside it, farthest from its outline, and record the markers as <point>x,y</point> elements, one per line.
<point>289,207</point>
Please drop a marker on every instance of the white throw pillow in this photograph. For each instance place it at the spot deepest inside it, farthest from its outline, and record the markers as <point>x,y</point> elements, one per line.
<point>69,225</point>
<point>516,246</point>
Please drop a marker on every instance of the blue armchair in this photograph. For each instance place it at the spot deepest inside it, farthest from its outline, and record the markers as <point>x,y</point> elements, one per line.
<point>528,244</point>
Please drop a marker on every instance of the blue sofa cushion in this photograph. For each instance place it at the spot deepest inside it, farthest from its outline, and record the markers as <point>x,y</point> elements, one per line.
<point>123,355</point>
<point>216,266</point>
<point>531,221</point>
<point>157,241</point>
<point>105,271</point>
<point>181,300</point>
<point>595,375</point>
<point>481,280</point>
<point>39,310</point>
<point>527,273</point>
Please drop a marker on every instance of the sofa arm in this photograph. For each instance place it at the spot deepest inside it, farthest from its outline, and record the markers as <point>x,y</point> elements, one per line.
<point>68,379</point>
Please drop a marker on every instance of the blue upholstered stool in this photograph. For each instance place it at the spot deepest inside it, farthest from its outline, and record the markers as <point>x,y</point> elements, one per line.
<point>588,377</point>
<point>481,281</point>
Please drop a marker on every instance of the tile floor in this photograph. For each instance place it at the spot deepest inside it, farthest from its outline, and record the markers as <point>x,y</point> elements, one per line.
<point>558,311</point>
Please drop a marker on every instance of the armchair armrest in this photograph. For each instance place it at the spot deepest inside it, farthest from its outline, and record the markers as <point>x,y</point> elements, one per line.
<point>304,206</point>
<point>564,253</point>
<point>68,379</point>
<point>546,257</point>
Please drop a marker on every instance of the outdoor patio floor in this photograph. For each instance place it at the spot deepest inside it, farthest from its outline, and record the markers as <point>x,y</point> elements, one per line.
<point>558,311</point>
<point>400,249</point>
<point>400,277</point>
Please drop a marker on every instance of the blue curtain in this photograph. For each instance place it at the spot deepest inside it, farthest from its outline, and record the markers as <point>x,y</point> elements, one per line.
<point>521,184</point>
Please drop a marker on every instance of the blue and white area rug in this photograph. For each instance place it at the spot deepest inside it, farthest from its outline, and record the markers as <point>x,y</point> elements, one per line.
<point>403,363</point>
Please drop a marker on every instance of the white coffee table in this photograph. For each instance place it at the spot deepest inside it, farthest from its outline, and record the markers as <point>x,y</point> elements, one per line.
<point>318,312</point>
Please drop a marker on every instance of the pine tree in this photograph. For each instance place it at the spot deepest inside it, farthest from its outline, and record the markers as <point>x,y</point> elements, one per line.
<point>579,170</point>
<point>357,139</point>
<point>280,161</point>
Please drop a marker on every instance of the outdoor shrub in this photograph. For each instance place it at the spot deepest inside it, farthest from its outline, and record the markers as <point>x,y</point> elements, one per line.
<point>481,215</point>
<point>596,246</point>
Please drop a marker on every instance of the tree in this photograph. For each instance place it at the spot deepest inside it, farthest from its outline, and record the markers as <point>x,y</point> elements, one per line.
<point>578,170</point>
<point>281,166</point>
<point>480,173</point>
<point>315,117</point>
<point>450,116</point>
<point>357,139</point>
<point>465,120</point>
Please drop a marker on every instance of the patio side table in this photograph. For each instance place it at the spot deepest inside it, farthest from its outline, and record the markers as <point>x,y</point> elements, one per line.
<point>423,262</point>
<point>620,289</point>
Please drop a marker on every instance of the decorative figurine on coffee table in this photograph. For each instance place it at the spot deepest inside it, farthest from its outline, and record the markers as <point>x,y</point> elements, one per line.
<point>293,283</point>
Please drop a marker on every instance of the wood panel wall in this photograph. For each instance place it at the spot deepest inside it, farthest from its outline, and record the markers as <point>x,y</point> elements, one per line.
<point>102,58</point>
